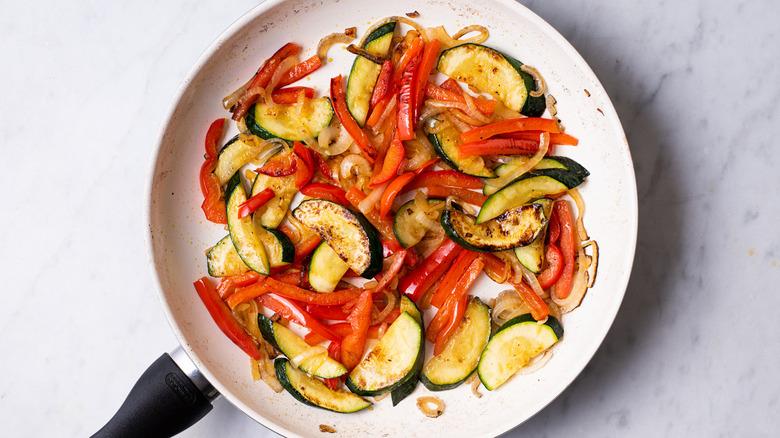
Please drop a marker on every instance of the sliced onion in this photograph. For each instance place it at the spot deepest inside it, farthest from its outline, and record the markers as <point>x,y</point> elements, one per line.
<point>354,165</point>
<point>428,112</point>
<point>386,20</point>
<point>388,112</point>
<point>334,38</point>
<point>530,278</point>
<point>579,285</point>
<point>362,52</point>
<point>473,382</point>
<point>481,38</point>
<point>575,195</point>
<point>417,152</point>
<point>508,304</point>
<point>372,199</point>
<point>472,110</point>
<point>467,208</point>
<point>232,99</point>
<point>342,143</point>
<point>286,64</point>
<point>423,403</point>
<point>422,218</point>
<point>550,102</point>
<point>455,118</point>
<point>536,363</point>
<point>594,261</point>
<point>541,85</point>
<point>391,301</point>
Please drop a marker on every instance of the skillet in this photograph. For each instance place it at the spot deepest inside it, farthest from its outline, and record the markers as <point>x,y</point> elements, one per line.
<point>180,388</point>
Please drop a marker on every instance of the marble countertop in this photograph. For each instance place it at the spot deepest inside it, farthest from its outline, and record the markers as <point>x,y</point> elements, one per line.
<point>693,351</point>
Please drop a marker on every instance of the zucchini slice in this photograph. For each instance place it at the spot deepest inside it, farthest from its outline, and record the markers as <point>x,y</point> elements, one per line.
<point>278,246</point>
<point>272,213</point>
<point>495,73</point>
<point>516,227</point>
<point>406,388</point>
<point>232,157</point>
<point>364,73</point>
<point>544,163</point>
<point>532,185</point>
<point>517,341</point>
<point>242,231</point>
<point>407,230</point>
<point>314,392</point>
<point>326,268</point>
<point>223,259</point>
<point>349,233</point>
<point>532,255</point>
<point>460,356</point>
<point>392,361</point>
<point>446,142</point>
<point>292,345</point>
<point>286,122</point>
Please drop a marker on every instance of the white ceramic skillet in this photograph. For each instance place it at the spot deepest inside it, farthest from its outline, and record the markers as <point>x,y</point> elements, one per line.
<point>179,234</point>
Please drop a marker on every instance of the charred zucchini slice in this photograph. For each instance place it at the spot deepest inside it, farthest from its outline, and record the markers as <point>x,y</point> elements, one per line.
<point>517,342</point>
<point>495,73</point>
<point>406,388</point>
<point>272,213</point>
<point>407,230</point>
<point>233,156</point>
<point>460,356</point>
<point>392,361</point>
<point>446,142</point>
<point>223,259</point>
<point>349,233</point>
<point>313,392</point>
<point>532,255</point>
<point>516,227</point>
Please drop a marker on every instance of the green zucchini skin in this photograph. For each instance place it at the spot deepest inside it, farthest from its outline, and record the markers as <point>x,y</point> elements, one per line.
<point>513,345</point>
<point>461,356</point>
<point>518,226</point>
<point>506,81</point>
<point>532,255</point>
<point>406,388</point>
<point>287,248</point>
<point>551,162</point>
<point>364,73</point>
<point>313,392</point>
<point>347,231</point>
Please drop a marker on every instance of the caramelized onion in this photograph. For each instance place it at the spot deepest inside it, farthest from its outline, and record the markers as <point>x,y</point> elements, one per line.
<point>541,85</point>
<point>232,99</point>
<point>423,403</point>
<point>334,38</point>
<point>372,199</point>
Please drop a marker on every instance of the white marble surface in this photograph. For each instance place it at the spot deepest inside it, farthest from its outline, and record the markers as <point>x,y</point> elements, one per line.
<point>694,349</point>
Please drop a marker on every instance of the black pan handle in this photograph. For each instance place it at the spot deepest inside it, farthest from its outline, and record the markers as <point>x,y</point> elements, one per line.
<point>170,396</point>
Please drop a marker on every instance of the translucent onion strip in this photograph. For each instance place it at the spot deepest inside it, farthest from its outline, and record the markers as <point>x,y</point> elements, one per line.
<point>541,85</point>
<point>579,285</point>
<point>473,382</point>
<point>575,195</point>
<point>372,199</point>
<point>424,404</point>
<point>286,64</point>
<point>391,301</point>
<point>508,304</point>
<point>334,38</point>
<point>482,36</point>
<point>594,261</point>
<point>398,19</point>
<point>231,100</point>
<point>536,363</point>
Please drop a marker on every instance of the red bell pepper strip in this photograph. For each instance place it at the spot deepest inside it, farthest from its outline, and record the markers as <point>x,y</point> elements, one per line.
<point>414,49</point>
<point>427,63</point>
<point>305,164</point>
<point>305,248</point>
<point>326,191</point>
<point>292,312</point>
<point>244,294</point>
<point>378,110</point>
<point>405,117</point>
<point>553,229</point>
<point>224,318</point>
<point>383,224</point>
<point>228,285</point>
<point>255,202</point>
<point>263,77</point>
<point>393,189</point>
<point>455,317</point>
<point>213,205</point>
<point>499,146</point>
<point>300,71</point>
<point>343,329</point>
<point>444,314</point>
<point>391,272</point>
<point>447,285</point>
<point>495,268</point>
<point>390,247</point>
<point>296,293</point>
<point>511,125</point>
<point>279,165</point>
<point>538,307</point>
<point>338,99</point>
<point>567,242</point>
<point>325,170</point>
<point>415,283</point>
<point>435,92</point>
<point>452,85</point>
<point>290,95</point>
<point>550,274</point>
<point>333,313</point>
<point>446,178</point>
<point>555,138</point>
<point>383,84</point>
<point>392,161</point>
<point>354,344</point>
<point>469,196</point>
